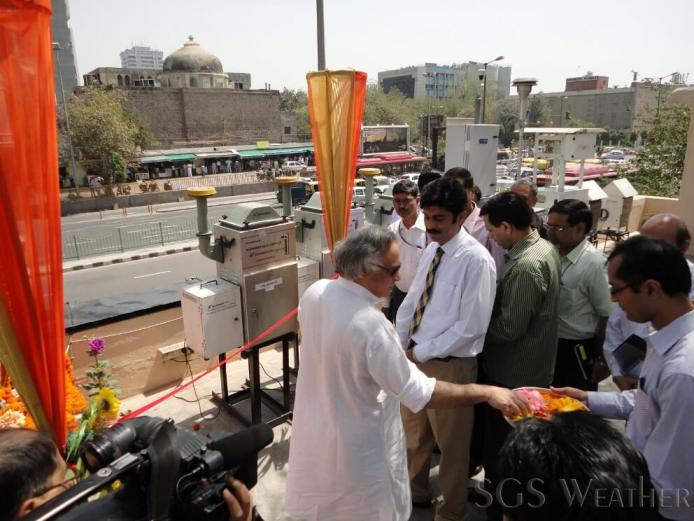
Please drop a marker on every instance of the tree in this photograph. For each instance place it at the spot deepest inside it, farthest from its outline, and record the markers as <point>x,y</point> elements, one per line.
<point>105,132</point>
<point>538,112</point>
<point>506,116</point>
<point>660,163</point>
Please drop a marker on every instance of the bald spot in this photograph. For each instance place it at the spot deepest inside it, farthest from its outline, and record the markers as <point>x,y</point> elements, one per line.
<point>665,227</point>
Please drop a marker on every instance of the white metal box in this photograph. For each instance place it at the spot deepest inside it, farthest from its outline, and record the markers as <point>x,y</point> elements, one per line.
<point>620,195</point>
<point>212,317</point>
<point>547,196</point>
<point>475,148</point>
<point>309,272</point>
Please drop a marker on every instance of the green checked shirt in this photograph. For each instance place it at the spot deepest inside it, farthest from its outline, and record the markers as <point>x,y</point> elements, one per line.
<point>521,344</point>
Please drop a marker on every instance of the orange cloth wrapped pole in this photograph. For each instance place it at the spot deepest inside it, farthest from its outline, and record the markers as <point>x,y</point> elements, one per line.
<point>31,284</point>
<point>336,108</point>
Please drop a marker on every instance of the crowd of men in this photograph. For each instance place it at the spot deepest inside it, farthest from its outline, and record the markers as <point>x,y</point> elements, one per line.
<point>480,304</point>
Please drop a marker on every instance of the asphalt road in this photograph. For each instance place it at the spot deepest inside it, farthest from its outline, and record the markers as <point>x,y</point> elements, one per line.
<point>98,293</point>
<point>94,223</point>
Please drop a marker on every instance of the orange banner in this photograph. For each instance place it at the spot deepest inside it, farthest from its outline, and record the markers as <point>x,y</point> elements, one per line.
<point>336,107</point>
<point>31,283</point>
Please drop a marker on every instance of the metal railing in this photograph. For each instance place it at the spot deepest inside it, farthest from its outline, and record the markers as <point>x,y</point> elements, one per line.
<point>126,238</point>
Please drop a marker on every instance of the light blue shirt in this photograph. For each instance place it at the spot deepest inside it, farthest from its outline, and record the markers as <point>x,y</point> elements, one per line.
<point>660,414</point>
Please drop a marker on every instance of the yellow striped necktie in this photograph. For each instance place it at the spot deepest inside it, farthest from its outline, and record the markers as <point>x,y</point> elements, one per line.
<point>426,294</point>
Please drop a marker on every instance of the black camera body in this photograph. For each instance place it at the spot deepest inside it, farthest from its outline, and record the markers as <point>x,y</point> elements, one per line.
<point>166,473</point>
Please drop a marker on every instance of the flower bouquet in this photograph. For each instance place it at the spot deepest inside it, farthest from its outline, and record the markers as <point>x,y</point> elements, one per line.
<point>545,403</point>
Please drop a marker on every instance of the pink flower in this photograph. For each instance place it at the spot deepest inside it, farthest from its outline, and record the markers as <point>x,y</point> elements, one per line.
<point>96,346</point>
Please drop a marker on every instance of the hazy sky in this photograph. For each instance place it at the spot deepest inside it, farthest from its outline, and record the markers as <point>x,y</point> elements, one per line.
<point>275,40</point>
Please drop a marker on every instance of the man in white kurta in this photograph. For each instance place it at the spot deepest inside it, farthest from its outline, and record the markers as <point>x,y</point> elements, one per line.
<point>347,458</point>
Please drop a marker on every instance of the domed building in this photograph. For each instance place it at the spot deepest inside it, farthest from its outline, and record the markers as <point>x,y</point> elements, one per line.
<point>193,66</point>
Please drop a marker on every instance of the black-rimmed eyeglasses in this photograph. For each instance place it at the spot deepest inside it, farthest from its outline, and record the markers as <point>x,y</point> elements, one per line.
<point>616,291</point>
<point>391,271</point>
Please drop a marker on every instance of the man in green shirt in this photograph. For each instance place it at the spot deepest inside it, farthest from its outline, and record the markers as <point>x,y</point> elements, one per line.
<point>584,301</point>
<point>521,343</point>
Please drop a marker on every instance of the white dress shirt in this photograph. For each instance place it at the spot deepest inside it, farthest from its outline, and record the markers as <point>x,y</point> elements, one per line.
<point>456,318</point>
<point>619,328</point>
<point>347,455</point>
<point>660,412</point>
<point>474,225</point>
<point>412,242</point>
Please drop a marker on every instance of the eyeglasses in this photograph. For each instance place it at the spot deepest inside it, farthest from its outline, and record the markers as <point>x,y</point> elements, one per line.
<point>65,485</point>
<point>556,227</point>
<point>617,291</point>
<point>391,271</point>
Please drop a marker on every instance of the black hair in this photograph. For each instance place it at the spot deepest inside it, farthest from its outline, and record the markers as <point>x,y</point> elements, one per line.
<point>546,466</point>
<point>446,193</point>
<point>29,460</point>
<point>477,192</point>
<point>508,207</point>
<point>406,187</point>
<point>463,175</point>
<point>576,212</point>
<point>682,235</point>
<point>644,258</point>
<point>427,177</point>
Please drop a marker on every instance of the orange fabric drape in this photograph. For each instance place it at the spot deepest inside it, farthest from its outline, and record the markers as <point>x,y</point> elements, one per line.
<point>31,286</point>
<point>336,108</point>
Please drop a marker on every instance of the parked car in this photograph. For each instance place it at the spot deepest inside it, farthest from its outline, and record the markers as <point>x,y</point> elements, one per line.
<point>410,176</point>
<point>294,167</point>
<point>613,154</point>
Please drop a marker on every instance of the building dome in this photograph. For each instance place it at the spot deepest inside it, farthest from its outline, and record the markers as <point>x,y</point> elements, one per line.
<point>192,58</point>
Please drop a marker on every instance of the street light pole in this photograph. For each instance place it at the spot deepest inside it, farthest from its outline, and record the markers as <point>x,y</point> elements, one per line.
<point>484,86</point>
<point>56,47</point>
<point>320,34</point>
<point>428,125</point>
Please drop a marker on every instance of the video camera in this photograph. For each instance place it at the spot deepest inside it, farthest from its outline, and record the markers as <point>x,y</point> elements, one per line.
<point>166,473</point>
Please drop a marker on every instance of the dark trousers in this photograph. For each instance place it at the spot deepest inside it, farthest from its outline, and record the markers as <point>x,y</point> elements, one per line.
<point>396,298</point>
<point>574,365</point>
<point>488,438</point>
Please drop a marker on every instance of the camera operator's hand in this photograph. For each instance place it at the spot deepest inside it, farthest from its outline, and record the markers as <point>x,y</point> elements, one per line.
<point>239,501</point>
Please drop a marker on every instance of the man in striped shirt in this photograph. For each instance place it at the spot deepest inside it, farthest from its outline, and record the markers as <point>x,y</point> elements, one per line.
<point>521,343</point>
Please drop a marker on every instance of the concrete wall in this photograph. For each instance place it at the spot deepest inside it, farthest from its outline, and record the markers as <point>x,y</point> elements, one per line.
<point>197,115</point>
<point>95,204</point>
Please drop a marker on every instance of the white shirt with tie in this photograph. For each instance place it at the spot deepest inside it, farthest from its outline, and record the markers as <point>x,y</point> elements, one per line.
<point>457,315</point>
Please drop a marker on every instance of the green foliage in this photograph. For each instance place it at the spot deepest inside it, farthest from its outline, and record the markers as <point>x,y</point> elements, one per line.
<point>538,112</point>
<point>296,102</point>
<point>99,376</point>
<point>507,118</point>
<point>104,131</point>
<point>659,165</point>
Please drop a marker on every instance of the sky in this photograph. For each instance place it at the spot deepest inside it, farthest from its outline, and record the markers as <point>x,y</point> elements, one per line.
<point>275,40</point>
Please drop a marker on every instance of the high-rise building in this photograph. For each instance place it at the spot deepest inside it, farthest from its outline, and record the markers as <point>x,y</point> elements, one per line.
<point>65,71</point>
<point>441,81</point>
<point>138,57</point>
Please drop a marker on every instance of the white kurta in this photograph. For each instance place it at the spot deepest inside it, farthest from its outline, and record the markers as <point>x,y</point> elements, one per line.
<point>347,457</point>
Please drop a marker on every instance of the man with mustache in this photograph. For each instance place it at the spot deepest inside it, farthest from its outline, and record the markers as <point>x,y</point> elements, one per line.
<point>442,323</point>
<point>521,344</point>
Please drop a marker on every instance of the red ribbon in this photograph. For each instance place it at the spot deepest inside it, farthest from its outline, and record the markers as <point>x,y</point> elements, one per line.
<point>229,358</point>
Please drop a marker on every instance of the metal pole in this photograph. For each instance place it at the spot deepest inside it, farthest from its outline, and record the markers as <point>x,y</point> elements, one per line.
<point>484,92</point>
<point>660,83</point>
<point>321,35</point>
<point>57,48</point>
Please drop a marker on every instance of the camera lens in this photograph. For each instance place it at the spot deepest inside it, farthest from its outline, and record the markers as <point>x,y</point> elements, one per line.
<point>107,446</point>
